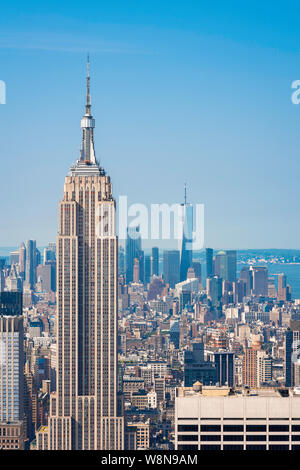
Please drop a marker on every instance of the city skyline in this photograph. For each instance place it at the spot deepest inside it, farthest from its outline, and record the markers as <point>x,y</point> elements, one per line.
<point>222,89</point>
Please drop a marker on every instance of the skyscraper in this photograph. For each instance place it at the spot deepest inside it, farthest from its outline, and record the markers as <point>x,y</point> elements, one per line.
<point>231,265</point>
<point>220,264</point>
<point>133,250</point>
<point>245,275</point>
<point>171,260</point>
<point>83,411</point>
<point>209,253</point>
<point>186,238</point>
<point>30,264</point>
<point>155,261</point>
<point>292,353</point>
<point>259,280</point>
<point>147,269</point>
<point>224,361</point>
<point>11,370</point>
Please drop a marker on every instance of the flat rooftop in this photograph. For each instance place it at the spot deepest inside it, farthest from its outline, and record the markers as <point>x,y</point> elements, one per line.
<point>214,391</point>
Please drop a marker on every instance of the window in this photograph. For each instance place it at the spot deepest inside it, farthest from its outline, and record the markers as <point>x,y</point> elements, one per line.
<point>210,427</point>
<point>233,428</point>
<point>188,427</point>
<point>256,428</point>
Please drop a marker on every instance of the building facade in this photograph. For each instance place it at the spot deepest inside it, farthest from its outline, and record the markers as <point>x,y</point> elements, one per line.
<point>83,410</point>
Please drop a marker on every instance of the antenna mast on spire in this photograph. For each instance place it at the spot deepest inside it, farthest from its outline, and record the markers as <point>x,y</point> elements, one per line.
<point>88,96</point>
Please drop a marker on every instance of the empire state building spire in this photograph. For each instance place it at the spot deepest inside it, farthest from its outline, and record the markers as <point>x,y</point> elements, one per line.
<point>87,151</point>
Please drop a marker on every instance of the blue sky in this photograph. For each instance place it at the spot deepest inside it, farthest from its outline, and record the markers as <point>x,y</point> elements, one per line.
<point>194,91</point>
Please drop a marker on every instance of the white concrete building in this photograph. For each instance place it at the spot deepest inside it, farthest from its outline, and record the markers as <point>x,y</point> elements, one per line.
<point>215,418</point>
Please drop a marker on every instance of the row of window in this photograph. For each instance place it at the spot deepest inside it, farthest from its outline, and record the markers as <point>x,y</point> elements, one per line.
<point>236,437</point>
<point>237,428</point>
<point>237,447</point>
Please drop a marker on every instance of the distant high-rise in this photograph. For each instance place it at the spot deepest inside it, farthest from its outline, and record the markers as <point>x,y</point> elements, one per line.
<point>196,369</point>
<point>22,260</point>
<point>231,259</point>
<point>121,261</point>
<point>209,253</point>
<point>214,289</point>
<point>171,267</point>
<point>83,411</point>
<point>224,361</point>
<point>133,250</point>
<point>245,275</point>
<point>186,238</point>
<point>220,264</point>
<point>155,261</point>
<point>292,354</point>
<point>11,370</point>
<point>250,367</point>
<point>284,290</point>
<point>147,269</point>
<point>259,280</point>
<point>33,259</point>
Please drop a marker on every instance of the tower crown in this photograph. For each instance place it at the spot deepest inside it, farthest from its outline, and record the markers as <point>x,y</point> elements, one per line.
<point>87,150</point>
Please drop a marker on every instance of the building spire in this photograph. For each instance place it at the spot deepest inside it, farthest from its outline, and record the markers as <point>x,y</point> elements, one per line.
<point>87,151</point>
<point>185,186</point>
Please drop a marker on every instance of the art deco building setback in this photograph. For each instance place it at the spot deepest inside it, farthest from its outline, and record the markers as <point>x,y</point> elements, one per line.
<point>219,418</point>
<point>83,410</point>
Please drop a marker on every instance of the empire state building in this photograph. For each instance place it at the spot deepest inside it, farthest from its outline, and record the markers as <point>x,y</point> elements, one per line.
<point>83,410</point>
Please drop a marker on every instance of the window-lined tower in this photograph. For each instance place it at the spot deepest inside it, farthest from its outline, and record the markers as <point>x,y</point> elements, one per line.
<point>83,410</point>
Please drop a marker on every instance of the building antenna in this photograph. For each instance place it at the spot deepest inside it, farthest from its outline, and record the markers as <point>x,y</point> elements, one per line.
<point>185,186</point>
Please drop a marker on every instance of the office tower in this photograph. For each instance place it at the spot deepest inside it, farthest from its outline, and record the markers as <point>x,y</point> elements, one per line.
<point>155,261</point>
<point>239,290</point>
<point>196,265</point>
<point>218,418</point>
<point>31,263</point>
<point>264,368</point>
<point>22,260</point>
<point>14,280</point>
<point>214,289</point>
<point>284,290</point>
<point>83,411</point>
<point>250,367</point>
<point>47,271</point>
<point>12,371</point>
<point>50,253</point>
<point>209,253</point>
<point>196,369</point>
<point>175,334</point>
<point>171,269</point>
<point>259,280</point>
<point>121,261</point>
<point>220,264</point>
<point>14,257</point>
<point>231,260</point>
<point>292,354</point>
<point>246,276</point>
<point>2,280</point>
<point>224,361</point>
<point>186,238</point>
<point>44,276</point>
<point>147,269</point>
<point>136,270</point>
<point>272,293</point>
<point>160,389</point>
<point>133,249</point>
<point>141,258</point>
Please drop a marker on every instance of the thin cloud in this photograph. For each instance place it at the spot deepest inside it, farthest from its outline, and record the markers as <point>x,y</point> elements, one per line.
<point>65,43</point>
